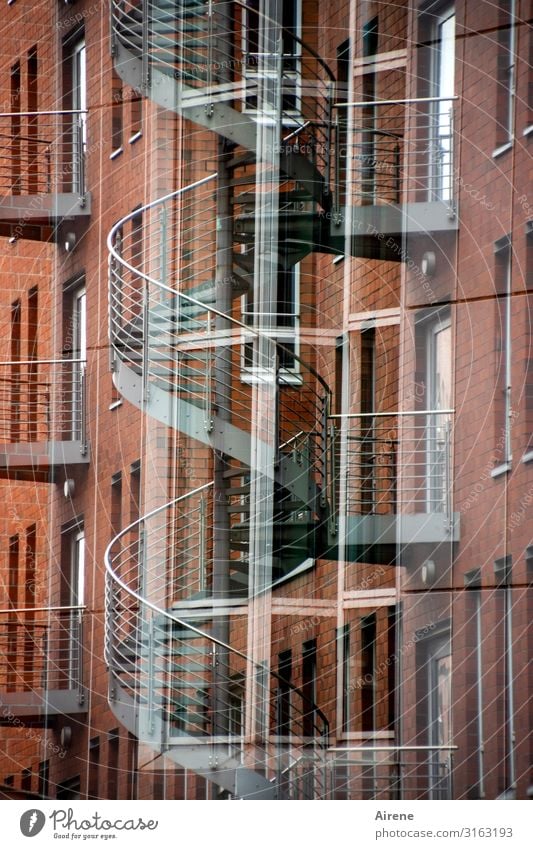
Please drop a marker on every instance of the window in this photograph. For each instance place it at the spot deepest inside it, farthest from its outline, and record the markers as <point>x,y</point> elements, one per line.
<point>368,115</point>
<point>132,767</point>
<point>443,87</point>
<point>116,504</point>
<point>79,355</point>
<point>503,597</point>
<point>77,79</point>
<point>309,671</point>
<point>287,324</point>
<point>93,785</point>
<point>72,596</point>
<point>291,58</point>
<point>435,668</point>
<point>502,335</point>
<point>14,378</point>
<point>69,789</point>
<point>44,779</point>
<point>438,420</point>
<point>113,764</point>
<point>284,693</point>
<point>116,113</point>
<point>32,142</point>
<point>33,374</point>
<point>368,669</point>
<point>136,115</point>
<point>506,78</point>
<point>474,663</point>
<point>16,129</point>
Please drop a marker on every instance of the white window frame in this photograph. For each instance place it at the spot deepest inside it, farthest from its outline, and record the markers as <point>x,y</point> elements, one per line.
<point>290,118</point>
<point>249,374</point>
<point>441,116</point>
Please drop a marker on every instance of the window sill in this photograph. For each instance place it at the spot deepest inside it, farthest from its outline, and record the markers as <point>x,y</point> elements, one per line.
<point>116,404</point>
<point>527,457</point>
<point>116,153</point>
<point>135,137</point>
<point>528,130</point>
<point>502,149</point>
<point>500,470</point>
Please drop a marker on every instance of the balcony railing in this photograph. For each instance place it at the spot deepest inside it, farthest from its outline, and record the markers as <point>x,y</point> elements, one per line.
<point>42,153</point>
<point>393,464</point>
<point>401,151</point>
<point>397,462</point>
<point>391,772</point>
<point>43,401</point>
<point>41,650</point>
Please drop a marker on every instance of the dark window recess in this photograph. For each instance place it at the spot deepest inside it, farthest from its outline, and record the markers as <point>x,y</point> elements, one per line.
<point>69,789</point>
<point>132,767</point>
<point>116,111</point>
<point>368,668</point>
<point>113,752</point>
<point>16,130</point>
<point>44,779</point>
<point>309,686</point>
<point>93,787</point>
<point>284,692</point>
<point>25,780</point>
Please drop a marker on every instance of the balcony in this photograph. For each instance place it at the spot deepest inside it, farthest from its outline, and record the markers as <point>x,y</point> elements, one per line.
<point>399,155</point>
<point>41,663</point>
<point>42,173</point>
<point>394,476</point>
<point>42,418</point>
<point>391,772</point>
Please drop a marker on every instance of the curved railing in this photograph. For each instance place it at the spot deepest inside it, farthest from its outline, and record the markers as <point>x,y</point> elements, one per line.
<point>180,353</point>
<point>179,672</point>
<point>211,53</point>
<point>171,339</point>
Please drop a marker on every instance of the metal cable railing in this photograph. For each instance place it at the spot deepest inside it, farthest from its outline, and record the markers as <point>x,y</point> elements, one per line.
<point>170,337</point>
<point>198,45</point>
<point>42,152</point>
<point>42,401</point>
<point>396,462</point>
<point>166,662</point>
<point>41,649</point>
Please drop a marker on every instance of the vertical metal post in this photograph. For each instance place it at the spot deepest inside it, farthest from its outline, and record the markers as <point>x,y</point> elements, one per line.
<point>163,248</point>
<point>146,342</point>
<point>202,530</point>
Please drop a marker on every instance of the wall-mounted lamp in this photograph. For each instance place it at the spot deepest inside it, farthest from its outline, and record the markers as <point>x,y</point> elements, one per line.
<point>70,241</point>
<point>65,738</point>
<point>429,570</point>
<point>12,240</point>
<point>429,261</point>
<point>69,488</point>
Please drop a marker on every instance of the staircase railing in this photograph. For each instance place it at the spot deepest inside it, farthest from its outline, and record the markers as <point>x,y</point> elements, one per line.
<point>169,337</point>
<point>167,664</point>
<point>199,47</point>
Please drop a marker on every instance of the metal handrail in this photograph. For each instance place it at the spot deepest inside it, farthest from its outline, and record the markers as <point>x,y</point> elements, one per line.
<point>248,330</point>
<point>188,625</point>
<point>67,607</point>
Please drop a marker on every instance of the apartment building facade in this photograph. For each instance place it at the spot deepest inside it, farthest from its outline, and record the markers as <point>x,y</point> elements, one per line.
<point>266,430</point>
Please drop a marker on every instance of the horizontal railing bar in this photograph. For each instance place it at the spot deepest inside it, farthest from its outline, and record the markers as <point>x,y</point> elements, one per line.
<point>390,415</point>
<point>370,103</point>
<point>393,749</point>
<point>44,112</point>
<point>45,609</point>
<point>43,362</point>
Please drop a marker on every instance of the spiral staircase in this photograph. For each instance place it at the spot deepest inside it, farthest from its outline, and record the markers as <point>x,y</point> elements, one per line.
<point>182,580</point>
